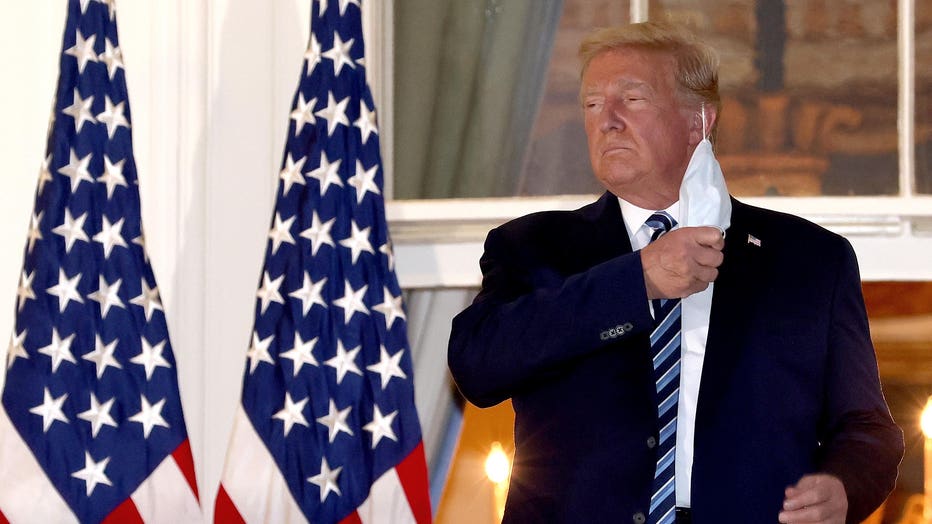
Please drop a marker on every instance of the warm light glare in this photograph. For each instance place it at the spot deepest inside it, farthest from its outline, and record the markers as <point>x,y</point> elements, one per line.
<point>497,465</point>
<point>926,421</point>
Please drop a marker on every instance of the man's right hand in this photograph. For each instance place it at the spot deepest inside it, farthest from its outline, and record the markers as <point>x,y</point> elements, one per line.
<point>682,262</point>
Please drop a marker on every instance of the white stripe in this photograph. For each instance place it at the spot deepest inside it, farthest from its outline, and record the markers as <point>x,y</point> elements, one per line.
<point>387,502</point>
<point>252,479</point>
<point>26,494</point>
<point>165,496</point>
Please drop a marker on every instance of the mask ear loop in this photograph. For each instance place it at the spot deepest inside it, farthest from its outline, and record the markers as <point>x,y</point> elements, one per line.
<point>705,133</point>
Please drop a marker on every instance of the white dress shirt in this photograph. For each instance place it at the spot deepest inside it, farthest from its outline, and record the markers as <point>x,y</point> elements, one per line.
<point>696,309</point>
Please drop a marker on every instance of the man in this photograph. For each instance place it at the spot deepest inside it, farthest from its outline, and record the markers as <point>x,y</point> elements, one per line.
<point>772,405</point>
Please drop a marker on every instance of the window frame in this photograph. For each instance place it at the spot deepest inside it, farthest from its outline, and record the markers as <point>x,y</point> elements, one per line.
<point>440,241</point>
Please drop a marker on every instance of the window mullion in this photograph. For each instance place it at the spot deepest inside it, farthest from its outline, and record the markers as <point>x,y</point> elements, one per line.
<point>906,46</point>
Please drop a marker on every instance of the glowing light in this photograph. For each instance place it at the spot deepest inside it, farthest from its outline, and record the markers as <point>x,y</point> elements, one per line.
<point>497,465</point>
<point>926,421</point>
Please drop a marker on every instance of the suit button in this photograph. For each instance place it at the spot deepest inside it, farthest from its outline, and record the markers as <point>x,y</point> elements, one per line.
<point>638,518</point>
<point>651,442</point>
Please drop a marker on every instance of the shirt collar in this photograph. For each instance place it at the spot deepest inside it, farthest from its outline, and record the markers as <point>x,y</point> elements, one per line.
<point>635,216</point>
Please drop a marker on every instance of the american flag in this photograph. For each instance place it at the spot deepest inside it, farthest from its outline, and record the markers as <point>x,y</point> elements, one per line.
<point>91,426</point>
<point>327,430</point>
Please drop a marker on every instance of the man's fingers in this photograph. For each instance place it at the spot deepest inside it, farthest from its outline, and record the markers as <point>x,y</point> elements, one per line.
<point>709,257</point>
<point>709,237</point>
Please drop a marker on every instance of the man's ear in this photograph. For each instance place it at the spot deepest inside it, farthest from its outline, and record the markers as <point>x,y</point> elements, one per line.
<point>701,123</point>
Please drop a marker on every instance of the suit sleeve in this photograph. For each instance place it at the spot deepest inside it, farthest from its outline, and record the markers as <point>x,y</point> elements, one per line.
<point>861,445</point>
<point>529,320</point>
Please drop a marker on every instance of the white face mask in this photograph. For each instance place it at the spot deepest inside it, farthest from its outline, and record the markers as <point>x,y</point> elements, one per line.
<point>704,199</point>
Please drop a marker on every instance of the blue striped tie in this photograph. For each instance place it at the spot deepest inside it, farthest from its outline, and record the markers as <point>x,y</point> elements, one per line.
<point>665,351</point>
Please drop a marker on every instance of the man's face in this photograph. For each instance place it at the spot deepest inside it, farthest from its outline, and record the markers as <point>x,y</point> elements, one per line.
<point>640,135</point>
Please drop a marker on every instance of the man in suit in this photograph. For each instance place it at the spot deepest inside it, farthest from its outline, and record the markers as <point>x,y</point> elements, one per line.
<point>773,390</point>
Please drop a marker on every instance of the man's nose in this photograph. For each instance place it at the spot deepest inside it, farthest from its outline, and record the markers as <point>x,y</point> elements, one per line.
<point>612,117</point>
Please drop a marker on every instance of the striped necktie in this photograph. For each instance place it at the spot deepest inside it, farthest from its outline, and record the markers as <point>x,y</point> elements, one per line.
<point>665,351</point>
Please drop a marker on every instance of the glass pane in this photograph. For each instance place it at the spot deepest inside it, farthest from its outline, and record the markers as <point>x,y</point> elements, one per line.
<point>557,161</point>
<point>924,96</point>
<point>468,79</point>
<point>809,93</point>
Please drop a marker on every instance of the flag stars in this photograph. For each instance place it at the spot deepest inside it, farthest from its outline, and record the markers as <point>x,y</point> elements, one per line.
<point>392,307</point>
<point>148,300</point>
<point>35,230</point>
<point>358,241</point>
<point>113,175</point>
<point>381,426</point>
<point>259,351</point>
<point>107,295</point>
<point>335,421</point>
<point>300,354</point>
<point>77,170</point>
<point>93,473</point>
<point>45,175</point>
<point>313,54</point>
<point>110,236</point>
<point>327,173</point>
<point>281,232</point>
<point>303,114</point>
<point>83,50</point>
<point>319,233</point>
<point>366,122</point>
<point>112,55</point>
<point>150,357</point>
<point>98,415</point>
<point>346,3</point>
<point>364,181</point>
<point>352,301</point>
<point>150,415</point>
<point>269,293</point>
<point>50,410</point>
<point>102,356</point>
<point>16,348</point>
<point>292,174</point>
<point>66,290</point>
<point>326,480</point>
<point>340,54</point>
<point>24,291</point>
<point>72,229</point>
<point>292,414</point>
<point>80,111</point>
<point>335,112</point>
<point>59,350</point>
<point>386,249</point>
<point>388,366</point>
<point>310,293</point>
<point>113,116</point>
<point>344,362</point>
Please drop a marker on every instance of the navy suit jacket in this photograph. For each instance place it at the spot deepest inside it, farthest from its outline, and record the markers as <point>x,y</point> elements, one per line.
<point>789,383</point>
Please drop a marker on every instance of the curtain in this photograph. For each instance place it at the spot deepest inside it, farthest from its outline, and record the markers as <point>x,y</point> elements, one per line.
<point>469,75</point>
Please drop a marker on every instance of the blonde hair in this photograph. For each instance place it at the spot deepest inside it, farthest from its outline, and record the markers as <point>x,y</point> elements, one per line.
<point>696,68</point>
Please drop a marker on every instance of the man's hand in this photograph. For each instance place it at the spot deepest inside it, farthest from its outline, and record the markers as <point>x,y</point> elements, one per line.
<point>816,498</point>
<point>682,262</point>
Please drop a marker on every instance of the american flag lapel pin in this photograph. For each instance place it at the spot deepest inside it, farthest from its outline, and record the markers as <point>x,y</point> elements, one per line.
<point>753,240</point>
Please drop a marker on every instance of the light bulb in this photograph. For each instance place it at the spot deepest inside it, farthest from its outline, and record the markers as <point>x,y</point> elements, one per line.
<point>497,465</point>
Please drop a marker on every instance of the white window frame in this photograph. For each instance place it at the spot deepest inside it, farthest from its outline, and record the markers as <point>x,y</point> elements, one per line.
<point>438,242</point>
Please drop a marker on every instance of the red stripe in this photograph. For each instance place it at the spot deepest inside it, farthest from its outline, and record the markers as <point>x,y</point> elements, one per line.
<point>125,513</point>
<point>3,519</point>
<point>413,474</point>
<point>352,518</point>
<point>185,461</point>
<point>225,511</point>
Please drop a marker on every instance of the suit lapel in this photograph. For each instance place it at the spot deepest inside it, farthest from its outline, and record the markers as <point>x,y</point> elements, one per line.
<point>730,319</point>
<point>604,235</point>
